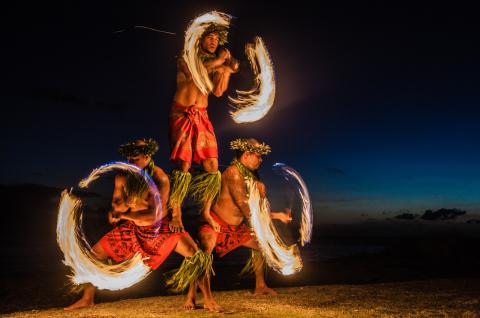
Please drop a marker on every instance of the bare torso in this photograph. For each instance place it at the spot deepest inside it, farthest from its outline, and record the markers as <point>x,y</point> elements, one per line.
<point>146,202</point>
<point>187,93</point>
<point>233,197</point>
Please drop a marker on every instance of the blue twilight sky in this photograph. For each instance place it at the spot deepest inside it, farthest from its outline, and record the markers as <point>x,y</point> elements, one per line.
<point>377,106</point>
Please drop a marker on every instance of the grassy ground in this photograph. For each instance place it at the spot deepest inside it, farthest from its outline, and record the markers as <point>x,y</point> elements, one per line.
<point>426,298</point>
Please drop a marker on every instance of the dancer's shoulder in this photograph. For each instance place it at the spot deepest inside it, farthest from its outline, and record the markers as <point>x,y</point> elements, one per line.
<point>232,173</point>
<point>160,176</point>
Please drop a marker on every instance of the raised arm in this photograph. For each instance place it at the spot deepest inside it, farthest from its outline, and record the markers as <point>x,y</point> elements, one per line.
<point>221,76</point>
<point>284,217</point>
<point>212,64</point>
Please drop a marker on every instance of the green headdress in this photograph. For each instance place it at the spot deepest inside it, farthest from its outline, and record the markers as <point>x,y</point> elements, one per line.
<point>221,30</point>
<point>132,149</point>
<point>136,184</point>
<point>250,146</point>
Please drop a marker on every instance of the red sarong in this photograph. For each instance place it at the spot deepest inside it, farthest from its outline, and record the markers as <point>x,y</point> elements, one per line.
<point>191,133</point>
<point>155,242</point>
<point>230,236</point>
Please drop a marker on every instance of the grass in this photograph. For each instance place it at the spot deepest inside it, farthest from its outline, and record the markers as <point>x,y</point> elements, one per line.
<point>427,298</point>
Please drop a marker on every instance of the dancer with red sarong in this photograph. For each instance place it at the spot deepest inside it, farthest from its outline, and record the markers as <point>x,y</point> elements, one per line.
<point>139,229</point>
<point>231,210</point>
<point>191,132</point>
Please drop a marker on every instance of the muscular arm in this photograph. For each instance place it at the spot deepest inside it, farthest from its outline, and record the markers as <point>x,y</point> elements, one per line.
<point>212,64</point>
<point>119,204</point>
<point>284,217</point>
<point>220,80</point>
<point>146,213</point>
<point>163,184</point>
<point>122,211</point>
<point>141,218</point>
<point>222,72</point>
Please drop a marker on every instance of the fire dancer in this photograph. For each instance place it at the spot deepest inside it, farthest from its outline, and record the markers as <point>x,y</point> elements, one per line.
<point>232,210</point>
<point>191,132</point>
<point>138,228</point>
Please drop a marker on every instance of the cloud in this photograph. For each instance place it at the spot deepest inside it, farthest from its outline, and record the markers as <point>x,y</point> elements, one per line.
<point>429,215</point>
<point>407,216</point>
<point>442,214</point>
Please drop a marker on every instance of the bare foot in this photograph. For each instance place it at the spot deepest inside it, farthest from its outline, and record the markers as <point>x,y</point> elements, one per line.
<point>176,225</point>
<point>212,306</point>
<point>189,304</point>
<point>81,303</point>
<point>264,291</point>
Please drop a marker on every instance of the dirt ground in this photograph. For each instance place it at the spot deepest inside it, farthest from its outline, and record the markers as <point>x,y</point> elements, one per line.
<point>424,298</point>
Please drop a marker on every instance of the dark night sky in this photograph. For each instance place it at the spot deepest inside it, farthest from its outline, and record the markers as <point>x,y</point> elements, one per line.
<point>376,105</point>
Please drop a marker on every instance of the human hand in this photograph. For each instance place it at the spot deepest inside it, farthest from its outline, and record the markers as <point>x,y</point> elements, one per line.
<point>208,218</point>
<point>131,202</point>
<point>224,54</point>
<point>234,64</point>
<point>113,217</point>
<point>214,224</point>
<point>286,217</point>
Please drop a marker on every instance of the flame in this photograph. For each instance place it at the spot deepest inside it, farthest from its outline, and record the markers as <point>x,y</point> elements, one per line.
<point>282,258</point>
<point>254,104</point>
<point>307,211</point>
<point>77,252</point>
<point>190,48</point>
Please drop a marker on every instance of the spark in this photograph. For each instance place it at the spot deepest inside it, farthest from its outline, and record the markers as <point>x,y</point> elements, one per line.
<point>152,29</point>
<point>146,28</point>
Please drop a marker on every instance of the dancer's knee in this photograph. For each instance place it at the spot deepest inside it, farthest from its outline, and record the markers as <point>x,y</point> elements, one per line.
<point>186,247</point>
<point>210,164</point>
<point>99,252</point>
<point>183,165</point>
<point>208,242</point>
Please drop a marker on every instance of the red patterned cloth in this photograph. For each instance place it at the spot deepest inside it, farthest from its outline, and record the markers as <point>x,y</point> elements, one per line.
<point>155,242</point>
<point>230,236</point>
<point>191,133</point>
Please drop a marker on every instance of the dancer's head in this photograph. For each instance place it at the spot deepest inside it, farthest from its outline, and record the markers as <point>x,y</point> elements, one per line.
<point>213,36</point>
<point>249,152</point>
<point>139,152</point>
